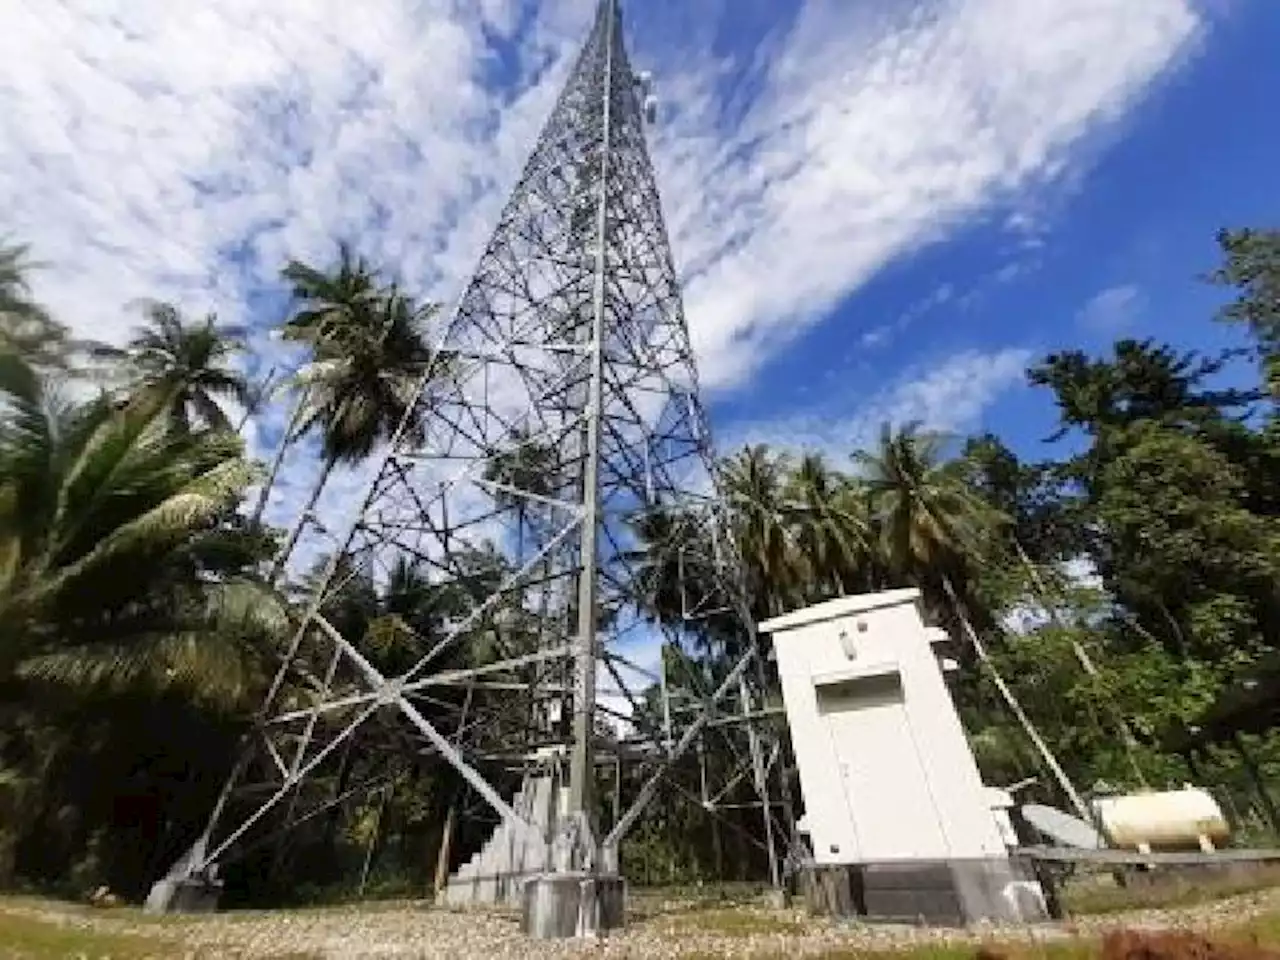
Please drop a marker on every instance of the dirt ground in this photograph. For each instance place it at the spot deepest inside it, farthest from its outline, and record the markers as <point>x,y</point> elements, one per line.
<point>39,929</point>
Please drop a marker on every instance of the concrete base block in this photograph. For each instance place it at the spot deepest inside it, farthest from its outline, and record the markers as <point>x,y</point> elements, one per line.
<point>1000,890</point>
<point>914,892</point>
<point>187,895</point>
<point>560,905</point>
<point>953,892</point>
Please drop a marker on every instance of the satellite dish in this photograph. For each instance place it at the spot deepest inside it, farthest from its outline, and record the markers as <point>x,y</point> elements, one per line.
<point>1062,828</point>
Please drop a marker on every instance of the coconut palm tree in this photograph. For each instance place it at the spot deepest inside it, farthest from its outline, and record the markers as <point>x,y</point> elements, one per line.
<point>187,363</point>
<point>754,484</point>
<point>328,305</point>
<point>926,510</point>
<point>831,529</point>
<point>331,302</point>
<point>119,556</point>
<point>933,523</point>
<point>26,328</point>
<point>369,362</point>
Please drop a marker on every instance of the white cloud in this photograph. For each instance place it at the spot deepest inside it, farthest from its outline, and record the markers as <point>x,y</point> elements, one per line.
<point>1112,310</point>
<point>153,149</point>
<point>873,138</point>
<point>159,149</point>
<point>145,143</point>
<point>950,396</point>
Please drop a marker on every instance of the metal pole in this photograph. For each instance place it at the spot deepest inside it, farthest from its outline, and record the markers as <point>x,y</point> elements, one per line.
<point>581,767</point>
<point>761,780</point>
<point>1011,701</point>
<point>666,696</point>
<point>1127,738</point>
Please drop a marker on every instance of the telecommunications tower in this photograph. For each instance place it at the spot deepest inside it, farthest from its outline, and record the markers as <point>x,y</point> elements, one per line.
<point>555,486</point>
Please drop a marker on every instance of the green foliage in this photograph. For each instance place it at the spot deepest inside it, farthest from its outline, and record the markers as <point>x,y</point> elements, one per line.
<point>1251,265</point>
<point>368,355</point>
<point>184,365</point>
<point>137,633</point>
<point>118,553</point>
<point>26,328</point>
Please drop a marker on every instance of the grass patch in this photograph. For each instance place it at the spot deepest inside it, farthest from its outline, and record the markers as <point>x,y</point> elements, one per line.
<point>26,938</point>
<point>31,929</point>
<point>1257,939</point>
<point>1264,929</point>
<point>1071,950</point>
<point>1174,890</point>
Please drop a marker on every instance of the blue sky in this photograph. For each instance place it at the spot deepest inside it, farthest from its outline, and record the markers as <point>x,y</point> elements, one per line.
<point>882,211</point>
<point>1116,251</point>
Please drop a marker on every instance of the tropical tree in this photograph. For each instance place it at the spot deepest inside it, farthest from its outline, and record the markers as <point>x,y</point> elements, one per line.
<point>1038,514</point>
<point>132,628</point>
<point>928,515</point>
<point>187,364</point>
<point>118,549</point>
<point>369,359</point>
<point>1251,265</point>
<point>331,302</point>
<point>1177,494</point>
<point>755,489</point>
<point>26,328</point>
<point>830,527</point>
<point>933,526</point>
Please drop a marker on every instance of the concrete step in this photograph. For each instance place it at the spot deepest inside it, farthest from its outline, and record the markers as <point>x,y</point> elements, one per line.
<point>497,871</point>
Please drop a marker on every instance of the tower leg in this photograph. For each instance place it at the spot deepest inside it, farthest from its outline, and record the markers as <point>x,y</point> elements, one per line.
<point>573,904</point>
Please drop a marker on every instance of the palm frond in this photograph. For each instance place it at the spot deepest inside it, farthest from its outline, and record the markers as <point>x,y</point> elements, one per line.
<point>163,526</point>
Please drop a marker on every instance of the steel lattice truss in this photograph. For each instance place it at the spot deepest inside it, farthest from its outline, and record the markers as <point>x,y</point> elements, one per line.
<point>566,369</point>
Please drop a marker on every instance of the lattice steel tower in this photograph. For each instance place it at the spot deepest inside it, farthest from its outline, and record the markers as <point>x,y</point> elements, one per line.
<point>548,485</point>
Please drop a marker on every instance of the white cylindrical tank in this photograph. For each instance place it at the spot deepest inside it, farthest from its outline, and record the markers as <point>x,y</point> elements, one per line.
<point>1173,818</point>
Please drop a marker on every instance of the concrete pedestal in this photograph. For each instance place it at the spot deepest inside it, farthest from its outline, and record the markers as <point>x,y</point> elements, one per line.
<point>573,904</point>
<point>187,895</point>
<point>1000,889</point>
<point>952,893</point>
<point>946,893</point>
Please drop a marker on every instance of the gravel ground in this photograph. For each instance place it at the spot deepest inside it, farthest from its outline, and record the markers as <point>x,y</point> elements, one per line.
<point>671,930</point>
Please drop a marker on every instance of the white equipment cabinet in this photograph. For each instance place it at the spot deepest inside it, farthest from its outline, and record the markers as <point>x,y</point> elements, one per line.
<point>890,785</point>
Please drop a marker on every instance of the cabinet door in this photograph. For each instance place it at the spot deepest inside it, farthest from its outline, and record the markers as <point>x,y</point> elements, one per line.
<point>893,812</point>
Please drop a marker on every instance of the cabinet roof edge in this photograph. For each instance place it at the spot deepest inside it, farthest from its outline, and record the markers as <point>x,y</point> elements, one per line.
<point>840,607</point>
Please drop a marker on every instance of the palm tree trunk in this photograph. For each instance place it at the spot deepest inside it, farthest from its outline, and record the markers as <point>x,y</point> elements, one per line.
<point>282,557</point>
<point>1127,738</point>
<point>255,402</point>
<point>1011,701</point>
<point>375,841</point>
<point>443,853</point>
<point>334,817</point>
<point>278,460</point>
<point>446,835</point>
<point>717,848</point>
